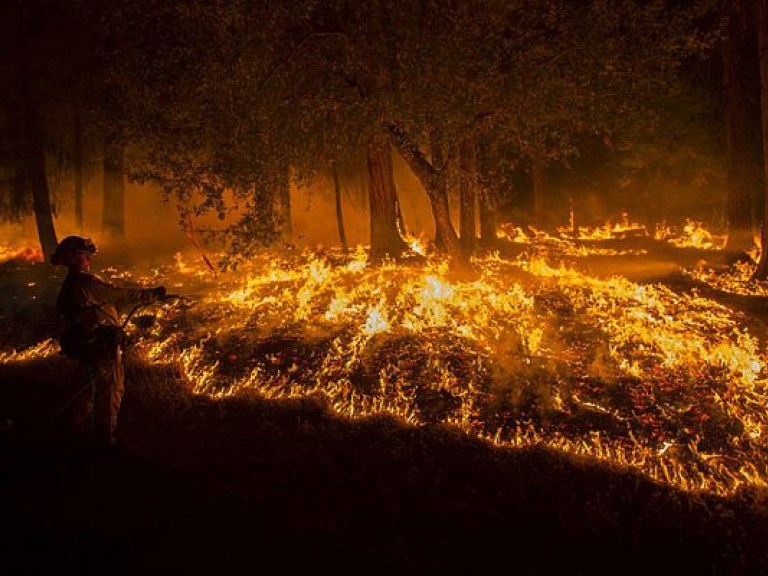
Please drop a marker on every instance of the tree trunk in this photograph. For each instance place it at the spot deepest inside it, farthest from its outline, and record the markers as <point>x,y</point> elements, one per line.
<point>573,214</point>
<point>761,273</point>
<point>37,181</point>
<point>441,243</point>
<point>78,161</point>
<point>443,226</point>
<point>434,184</point>
<point>487,205</point>
<point>438,161</point>
<point>488,224</point>
<point>400,220</point>
<point>737,129</point>
<point>382,197</point>
<point>468,195</point>
<point>113,211</point>
<point>339,212</point>
<point>284,202</point>
<point>33,170</point>
<point>537,180</point>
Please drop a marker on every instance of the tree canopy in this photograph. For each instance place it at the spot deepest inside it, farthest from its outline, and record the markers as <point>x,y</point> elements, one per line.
<point>220,101</point>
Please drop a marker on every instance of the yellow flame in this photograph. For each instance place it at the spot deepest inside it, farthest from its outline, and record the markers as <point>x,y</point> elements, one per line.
<point>532,332</point>
<point>375,322</point>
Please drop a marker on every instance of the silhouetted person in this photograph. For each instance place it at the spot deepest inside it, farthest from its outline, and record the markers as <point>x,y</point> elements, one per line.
<point>93,336</point>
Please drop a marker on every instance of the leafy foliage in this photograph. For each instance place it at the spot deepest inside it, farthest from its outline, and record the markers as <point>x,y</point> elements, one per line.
<point>219,100</point>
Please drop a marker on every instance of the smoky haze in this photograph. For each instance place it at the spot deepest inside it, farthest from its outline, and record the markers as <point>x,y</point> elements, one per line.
<point>595,197</point>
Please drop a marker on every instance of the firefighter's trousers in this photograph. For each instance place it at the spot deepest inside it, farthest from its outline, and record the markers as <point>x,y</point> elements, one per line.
<point>97,408</point>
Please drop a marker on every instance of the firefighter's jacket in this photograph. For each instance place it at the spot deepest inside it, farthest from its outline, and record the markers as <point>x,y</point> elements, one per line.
<point>88,305</point>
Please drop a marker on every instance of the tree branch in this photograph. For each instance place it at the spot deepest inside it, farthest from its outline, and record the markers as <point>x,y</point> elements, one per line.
<point>415,158</point>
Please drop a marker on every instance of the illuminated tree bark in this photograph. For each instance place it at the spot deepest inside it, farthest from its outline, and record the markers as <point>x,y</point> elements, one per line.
<point>737,129</point>
<point>37,181</point>
<point>438,161</point>
<point>488,224</point>
<point>487,202</point>
<point>339,211</point>
<point>400,220</point>
<point>384,235</point>
<point>537,180</point>
<point>33,163</point>
<point>761,273</point>
<point>284,203</point>
<point>113,211</point>
<point>434,183</point>
<point>78,166</point>
<point>469,194</point>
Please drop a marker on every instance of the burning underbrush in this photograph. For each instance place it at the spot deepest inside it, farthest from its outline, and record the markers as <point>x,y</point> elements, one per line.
<point>18,252</point>
<point>534,352</point>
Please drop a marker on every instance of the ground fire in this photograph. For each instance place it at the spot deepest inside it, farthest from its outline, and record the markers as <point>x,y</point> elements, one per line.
<point>543,348</point>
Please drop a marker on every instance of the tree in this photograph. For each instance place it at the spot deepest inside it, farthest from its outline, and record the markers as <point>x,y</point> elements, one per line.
<point>215,95</point>
<point>761,273</point>
<point>385,235</point>
<point>22,105</point>
<point>488,199</point>
<point>539,193</point>
<point>32,166</point>
<point>78,159</point>
<point>737,126</point>
<point>113,213</point>
<point>469,185</point>
<point>533,79</point>
<point>44,63</point>
<point>284,202</point>
<point>339,211</point>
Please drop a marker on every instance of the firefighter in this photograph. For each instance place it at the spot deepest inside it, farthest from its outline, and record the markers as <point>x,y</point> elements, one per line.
<point>93,336</point>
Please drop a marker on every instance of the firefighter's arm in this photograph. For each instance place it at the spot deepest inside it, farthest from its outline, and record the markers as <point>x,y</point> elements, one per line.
<point>107,292</point>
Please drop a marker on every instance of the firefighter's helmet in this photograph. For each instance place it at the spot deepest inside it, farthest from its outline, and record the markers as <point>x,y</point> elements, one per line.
<point>72,244</point>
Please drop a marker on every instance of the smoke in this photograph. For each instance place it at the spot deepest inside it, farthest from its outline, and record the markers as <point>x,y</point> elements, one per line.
<point>314,208</point>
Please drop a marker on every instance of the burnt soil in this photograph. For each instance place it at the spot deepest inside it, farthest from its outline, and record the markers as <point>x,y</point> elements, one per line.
<point>253,486</point>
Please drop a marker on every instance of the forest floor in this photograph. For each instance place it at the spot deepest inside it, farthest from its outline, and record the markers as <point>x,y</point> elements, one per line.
<point>249,485</point>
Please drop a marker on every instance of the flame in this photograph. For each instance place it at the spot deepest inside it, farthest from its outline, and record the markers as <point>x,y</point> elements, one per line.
<point>417,244</point>
<point>693,235</point>
<point>375,322</point>
<point>14,252</point>
<point>513,234</point>
<point>534,352</point>
<point>608,230</point>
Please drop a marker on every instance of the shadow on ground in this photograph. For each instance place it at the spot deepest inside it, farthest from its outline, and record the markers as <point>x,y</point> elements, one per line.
<point>253,486</point>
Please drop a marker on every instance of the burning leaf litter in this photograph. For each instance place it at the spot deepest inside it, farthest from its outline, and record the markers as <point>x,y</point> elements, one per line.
<point>533,352</point>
